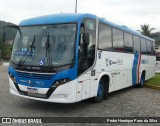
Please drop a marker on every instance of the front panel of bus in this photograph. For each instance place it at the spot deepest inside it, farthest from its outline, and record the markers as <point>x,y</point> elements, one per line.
<point>43,59</point>
<point>47,59</point>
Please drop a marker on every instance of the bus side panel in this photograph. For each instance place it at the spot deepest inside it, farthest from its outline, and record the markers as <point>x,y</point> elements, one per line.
<point>148,64</point>
<point>94,82</point>
<point>83,86</point>
<point>118,65</point>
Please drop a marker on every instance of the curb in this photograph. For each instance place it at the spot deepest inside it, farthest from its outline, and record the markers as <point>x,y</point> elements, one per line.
<point>152,86</point>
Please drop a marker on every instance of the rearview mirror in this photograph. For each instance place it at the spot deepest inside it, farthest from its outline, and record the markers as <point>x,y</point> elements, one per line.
<point>86,39</point>
<point>13,27</point>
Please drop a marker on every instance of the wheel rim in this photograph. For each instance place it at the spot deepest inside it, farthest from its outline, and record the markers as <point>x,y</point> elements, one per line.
<point>100,90</point>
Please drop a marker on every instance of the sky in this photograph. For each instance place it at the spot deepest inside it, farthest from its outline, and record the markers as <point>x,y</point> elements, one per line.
<point>131,13</point>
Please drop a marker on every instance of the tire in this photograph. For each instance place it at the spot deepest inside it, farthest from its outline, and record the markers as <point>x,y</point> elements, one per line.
<point>100,92</point>
<point>141,83</point>
<point>105,97</point>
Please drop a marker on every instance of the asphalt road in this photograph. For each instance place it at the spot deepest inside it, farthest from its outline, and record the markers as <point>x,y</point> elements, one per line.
<point>130,102</point>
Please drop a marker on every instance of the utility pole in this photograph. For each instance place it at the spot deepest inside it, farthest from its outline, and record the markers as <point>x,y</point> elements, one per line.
<point>76,7</point>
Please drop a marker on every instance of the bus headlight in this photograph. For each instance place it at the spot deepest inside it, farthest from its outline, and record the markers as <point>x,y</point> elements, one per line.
<point>12,78</point>
<point>58,83</point>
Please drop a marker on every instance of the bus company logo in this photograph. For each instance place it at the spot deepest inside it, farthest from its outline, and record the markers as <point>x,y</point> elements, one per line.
<point>30,82</point>
<point>120,61</point>
<point>6,120</point>
<point>144,61</point>
<point>110,62</point>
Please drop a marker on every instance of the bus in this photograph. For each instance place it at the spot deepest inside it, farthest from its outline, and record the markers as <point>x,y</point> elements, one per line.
<point>66,58</point>
<point>157,61</point>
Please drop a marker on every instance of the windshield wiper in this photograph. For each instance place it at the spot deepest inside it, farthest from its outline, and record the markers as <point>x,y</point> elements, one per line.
<point>32,45</point>
<point>48,53</point>
<point>23,58</point>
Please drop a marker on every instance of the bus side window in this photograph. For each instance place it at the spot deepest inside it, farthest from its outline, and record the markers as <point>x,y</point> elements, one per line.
<point>148,47</point>
<point>128,44</point>
<point>153,48</point>
<point>143,46</point>
<point>118,44</point>
<point>105,37</point>
<point>136,44</point>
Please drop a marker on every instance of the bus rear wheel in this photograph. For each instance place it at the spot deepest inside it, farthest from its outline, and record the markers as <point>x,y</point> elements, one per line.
<point>100,92</point>
<point>141,83</point>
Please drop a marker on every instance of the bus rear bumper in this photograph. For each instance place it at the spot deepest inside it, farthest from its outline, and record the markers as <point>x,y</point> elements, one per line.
<point>63,94</point>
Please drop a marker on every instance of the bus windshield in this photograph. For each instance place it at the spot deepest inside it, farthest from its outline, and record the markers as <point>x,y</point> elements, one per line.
<point>47,45</point>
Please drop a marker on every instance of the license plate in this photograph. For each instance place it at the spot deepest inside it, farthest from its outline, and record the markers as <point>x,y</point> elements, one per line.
<point>32,90</point>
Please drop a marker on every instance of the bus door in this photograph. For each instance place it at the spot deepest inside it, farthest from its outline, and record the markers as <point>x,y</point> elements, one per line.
<point>86,57</point>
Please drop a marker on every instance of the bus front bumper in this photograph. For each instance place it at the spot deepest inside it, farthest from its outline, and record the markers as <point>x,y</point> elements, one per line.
<point>65,93</point>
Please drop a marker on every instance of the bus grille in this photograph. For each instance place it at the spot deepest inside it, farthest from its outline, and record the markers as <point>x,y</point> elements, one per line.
<point>34,76</point>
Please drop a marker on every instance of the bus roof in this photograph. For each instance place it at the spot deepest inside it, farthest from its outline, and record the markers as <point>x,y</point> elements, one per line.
<point>56,19</point>
<point>74,17</point>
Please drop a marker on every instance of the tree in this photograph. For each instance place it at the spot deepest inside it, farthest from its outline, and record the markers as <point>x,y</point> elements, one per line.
<point>156,37</point>
<point>146,30</point>
<point>6,50</point>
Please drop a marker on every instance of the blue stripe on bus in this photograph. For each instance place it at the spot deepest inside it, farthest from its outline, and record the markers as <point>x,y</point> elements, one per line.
<point>134,68</point>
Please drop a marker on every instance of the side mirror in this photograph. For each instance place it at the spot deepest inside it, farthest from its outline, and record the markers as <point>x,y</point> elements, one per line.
<point>10,26</point>
<point>86,39</point>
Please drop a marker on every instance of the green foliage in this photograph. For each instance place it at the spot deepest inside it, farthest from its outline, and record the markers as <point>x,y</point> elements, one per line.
<point>5,47</point>
<point>154,81</point>
<point>146,30</point>
<point>6,50</point>
<point>10,32</point>
<point>156,37</point>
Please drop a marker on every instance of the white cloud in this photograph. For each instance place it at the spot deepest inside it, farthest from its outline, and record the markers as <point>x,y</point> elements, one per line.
<point>130,13</point>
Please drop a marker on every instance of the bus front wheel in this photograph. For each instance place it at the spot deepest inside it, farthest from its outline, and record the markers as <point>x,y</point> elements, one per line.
<point>100,92</point>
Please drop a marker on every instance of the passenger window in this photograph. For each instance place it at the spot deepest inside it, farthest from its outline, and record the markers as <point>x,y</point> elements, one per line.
<point>143,46</point>
<point>136,43</point>
<point>153,48</point>
<point>105,37</point>
<point>118,44</point>
<point>128,45</point>
<point>148,47</point>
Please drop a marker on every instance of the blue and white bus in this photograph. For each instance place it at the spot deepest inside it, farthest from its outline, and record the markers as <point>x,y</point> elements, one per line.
<point>66,58</point>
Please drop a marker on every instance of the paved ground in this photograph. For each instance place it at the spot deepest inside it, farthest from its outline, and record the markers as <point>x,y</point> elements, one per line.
<point>130,102</point>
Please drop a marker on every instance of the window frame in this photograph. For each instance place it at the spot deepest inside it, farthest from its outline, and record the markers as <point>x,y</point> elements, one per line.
<point>138,42</point>
<point>111,49</point>
<point>152,43</point>
<point>131,42</point>
<point>149,52</point>
<point>122,51</point>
